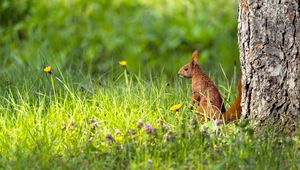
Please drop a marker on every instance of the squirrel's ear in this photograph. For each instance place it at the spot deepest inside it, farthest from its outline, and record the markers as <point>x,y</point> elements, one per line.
<point>195,56</point>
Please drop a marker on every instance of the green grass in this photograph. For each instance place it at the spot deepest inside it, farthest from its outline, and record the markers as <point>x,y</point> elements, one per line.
<point>63,120</point>
<point>68,128</point>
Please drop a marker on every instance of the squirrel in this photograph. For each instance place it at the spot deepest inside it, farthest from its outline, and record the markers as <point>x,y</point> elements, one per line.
<point>206,94</point>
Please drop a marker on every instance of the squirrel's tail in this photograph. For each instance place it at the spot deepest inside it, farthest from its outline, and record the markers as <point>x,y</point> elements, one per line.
<point>234,111</point>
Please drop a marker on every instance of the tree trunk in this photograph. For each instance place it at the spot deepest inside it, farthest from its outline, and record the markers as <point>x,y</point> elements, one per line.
<point>269,44</point>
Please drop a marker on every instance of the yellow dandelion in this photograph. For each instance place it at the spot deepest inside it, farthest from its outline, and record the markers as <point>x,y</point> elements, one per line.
<point>123,63</point>
<point>176,107</point>
<point>48,69</point>
<point>119,137</point>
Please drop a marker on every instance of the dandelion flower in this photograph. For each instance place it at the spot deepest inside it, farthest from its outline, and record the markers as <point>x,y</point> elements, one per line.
<point>123,63</point>
<point>118,134</point>
<point>48,69</point>
<point>176,107</point>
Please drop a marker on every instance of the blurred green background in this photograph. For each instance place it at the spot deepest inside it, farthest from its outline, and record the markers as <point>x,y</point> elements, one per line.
<point>93,35</point>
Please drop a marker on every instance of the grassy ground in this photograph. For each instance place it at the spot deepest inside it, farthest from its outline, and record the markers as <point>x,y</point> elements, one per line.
<point>58,122</point>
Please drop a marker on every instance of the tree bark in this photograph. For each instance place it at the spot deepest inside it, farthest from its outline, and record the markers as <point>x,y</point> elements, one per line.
<point>269,44</point>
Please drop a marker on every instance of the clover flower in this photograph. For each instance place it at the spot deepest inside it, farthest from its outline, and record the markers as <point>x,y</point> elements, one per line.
<point>148,129</point>
<point>109,138</point>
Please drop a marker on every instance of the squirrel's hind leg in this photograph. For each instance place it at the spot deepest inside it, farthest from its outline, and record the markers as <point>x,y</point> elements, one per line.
<point>207,111</point>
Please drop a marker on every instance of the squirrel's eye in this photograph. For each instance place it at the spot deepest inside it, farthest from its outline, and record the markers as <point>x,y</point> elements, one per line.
<point>186,69</point>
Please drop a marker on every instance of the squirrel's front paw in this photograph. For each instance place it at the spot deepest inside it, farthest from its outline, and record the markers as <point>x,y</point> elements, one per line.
<point>191,106</point>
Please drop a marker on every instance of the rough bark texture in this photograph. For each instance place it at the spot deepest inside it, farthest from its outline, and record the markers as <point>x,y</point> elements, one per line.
<point>269,43</point>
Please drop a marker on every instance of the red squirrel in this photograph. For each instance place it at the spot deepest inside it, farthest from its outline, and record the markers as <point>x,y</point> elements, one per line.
<point>206,94</point>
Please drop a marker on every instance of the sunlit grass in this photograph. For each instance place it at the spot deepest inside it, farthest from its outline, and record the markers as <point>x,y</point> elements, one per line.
<point>125,123</point>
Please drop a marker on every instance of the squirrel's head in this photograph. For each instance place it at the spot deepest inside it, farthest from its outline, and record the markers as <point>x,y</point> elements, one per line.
<point>186,71</point>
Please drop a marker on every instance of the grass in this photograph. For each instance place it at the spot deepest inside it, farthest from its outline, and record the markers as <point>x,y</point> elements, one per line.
<point>125,123</point>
